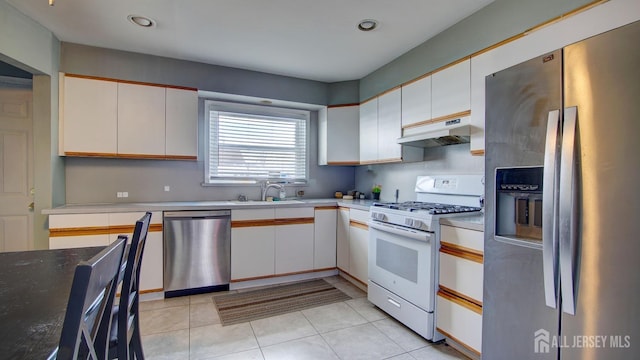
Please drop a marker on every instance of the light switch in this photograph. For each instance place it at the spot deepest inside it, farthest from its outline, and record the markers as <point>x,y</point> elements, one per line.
<point>167,188</point>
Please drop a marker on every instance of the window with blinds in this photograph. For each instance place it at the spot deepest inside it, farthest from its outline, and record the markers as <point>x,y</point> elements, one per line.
<point>249,143</point>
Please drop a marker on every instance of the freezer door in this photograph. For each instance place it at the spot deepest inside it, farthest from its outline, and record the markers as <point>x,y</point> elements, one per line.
<point>519,100</point>
<point>602,80</point>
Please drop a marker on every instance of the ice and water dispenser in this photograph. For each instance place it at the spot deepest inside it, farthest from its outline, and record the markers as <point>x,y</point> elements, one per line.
<point>519,203</point>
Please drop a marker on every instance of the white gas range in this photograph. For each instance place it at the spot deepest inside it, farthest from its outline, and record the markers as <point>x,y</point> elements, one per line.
<point>404,240</point>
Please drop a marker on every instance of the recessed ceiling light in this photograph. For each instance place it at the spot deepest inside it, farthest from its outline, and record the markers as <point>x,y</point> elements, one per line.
<point>367,25</point>
<point>141,21</point>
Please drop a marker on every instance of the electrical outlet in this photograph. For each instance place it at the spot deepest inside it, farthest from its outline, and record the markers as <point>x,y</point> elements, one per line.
<point>125,194</point>
<point>167,188</point>
<point>119,194</point>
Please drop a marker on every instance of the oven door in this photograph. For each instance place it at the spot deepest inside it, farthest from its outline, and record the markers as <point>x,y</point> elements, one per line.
<point>401,261</point>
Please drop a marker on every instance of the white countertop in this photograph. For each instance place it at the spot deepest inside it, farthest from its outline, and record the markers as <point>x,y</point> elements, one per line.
<point>200,205</point>
<point>471,222</point>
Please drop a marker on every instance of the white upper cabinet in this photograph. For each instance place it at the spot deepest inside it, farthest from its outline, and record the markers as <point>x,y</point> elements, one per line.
<point>416,102</point>
<point>338,135</point>
<point>450,91</point>
<point>108,118</point>
<point>141,119</point>
<point>369,131</point>
<point>380,128</point>
<point>389,126</point>
<point>88,113</point>
<point>181,114</point>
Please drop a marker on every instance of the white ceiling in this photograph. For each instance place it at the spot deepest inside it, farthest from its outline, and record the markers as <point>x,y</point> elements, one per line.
<point>309,39</point>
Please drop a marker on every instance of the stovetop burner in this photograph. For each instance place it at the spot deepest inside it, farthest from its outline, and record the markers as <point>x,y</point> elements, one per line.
<point>431,208</point>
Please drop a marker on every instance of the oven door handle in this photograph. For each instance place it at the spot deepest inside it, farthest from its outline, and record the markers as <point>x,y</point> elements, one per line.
<point>400,231</point>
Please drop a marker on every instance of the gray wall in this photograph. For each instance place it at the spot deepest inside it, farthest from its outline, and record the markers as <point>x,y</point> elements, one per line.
<point>495,22</point>
<point>94,61</point>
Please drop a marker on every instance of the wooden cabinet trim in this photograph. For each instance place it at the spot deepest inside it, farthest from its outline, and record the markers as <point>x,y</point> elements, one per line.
<point>294,221</point>
<point>458,294</point>
<point>343,163</point>
<point>141,156</point>
<point>342,105</point>
<point>99,230</point>
<point>90,154</point>
<point>469,348</point>
<point>478,152</point>
<point>79,231</point>
<point>130,82</point>
<point>461,252</point>
<point>447,295</point>
<point>325,207</point>
<point>124,229</point>
<point>130,156</point>
<point>451,64</point>
<point>271,222</point>
<point>358,224</point>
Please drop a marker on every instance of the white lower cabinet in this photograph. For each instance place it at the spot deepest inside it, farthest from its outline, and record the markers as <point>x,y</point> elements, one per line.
<point>252,252</point>
<point>253,243</point>
<point>358,252</point>
<point>324,238</point>
<point>101,229</point>
<point>294,248</point>
<point>460,321</point>
<point>270,242</point>
<point>78,230</point>
<point>342,240</point>
<point>459,300</point>
<point>359,245</point>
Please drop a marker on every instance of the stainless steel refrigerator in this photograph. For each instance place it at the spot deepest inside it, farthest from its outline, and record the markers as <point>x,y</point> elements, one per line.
<point>562,233</point>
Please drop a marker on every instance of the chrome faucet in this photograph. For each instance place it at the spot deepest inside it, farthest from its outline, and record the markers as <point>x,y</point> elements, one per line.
<point>265,186</point>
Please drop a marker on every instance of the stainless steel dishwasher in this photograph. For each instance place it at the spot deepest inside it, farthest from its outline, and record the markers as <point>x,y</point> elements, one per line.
<point>197,252</point>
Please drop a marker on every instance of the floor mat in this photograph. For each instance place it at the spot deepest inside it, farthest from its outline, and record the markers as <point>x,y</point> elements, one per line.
<point>234,308</point>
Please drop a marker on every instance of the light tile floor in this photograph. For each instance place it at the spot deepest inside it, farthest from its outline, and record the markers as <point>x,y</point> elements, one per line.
<point>189,328</point>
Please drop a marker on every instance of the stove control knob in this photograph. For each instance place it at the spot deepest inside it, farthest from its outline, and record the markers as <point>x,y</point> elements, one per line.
<point>409,222</point>
<point>378,216</point>
<point>417,224</point>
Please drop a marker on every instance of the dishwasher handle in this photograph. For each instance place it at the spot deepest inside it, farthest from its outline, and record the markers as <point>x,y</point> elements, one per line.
<point>190,214</point>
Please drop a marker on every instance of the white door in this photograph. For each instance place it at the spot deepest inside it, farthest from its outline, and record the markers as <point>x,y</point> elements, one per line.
<point>16,170</point>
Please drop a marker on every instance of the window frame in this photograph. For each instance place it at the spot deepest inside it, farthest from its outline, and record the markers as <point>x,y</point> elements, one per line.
<point>259,110</point>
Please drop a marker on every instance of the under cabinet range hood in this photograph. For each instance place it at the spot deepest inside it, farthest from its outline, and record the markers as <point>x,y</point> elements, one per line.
<point>451,132</point>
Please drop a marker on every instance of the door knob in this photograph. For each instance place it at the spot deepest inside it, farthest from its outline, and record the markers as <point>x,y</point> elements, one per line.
<point>31,206</point>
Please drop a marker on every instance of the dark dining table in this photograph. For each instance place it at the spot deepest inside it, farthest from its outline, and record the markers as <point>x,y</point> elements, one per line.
<point>34,290</point>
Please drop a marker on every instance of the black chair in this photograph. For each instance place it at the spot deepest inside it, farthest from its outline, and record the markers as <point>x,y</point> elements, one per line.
<point>88,318</point>
<point>125,341</point>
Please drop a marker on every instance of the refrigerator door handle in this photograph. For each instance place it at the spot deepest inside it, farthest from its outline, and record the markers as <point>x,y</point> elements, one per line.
<point>567,212</point>
<point>549,210</point>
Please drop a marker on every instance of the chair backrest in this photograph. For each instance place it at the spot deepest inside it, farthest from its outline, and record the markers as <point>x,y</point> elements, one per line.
<point>92,292</point>
<point>131,279</point>
<point>127,313</point>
